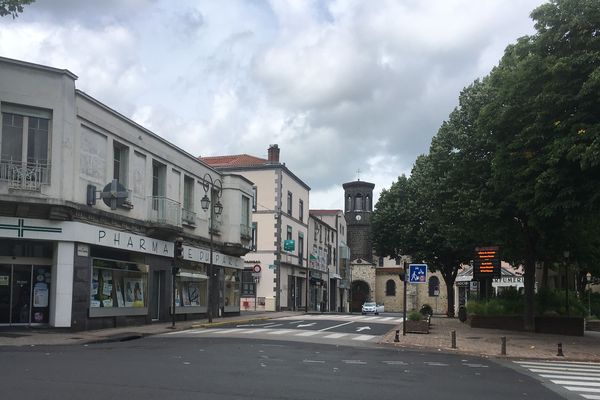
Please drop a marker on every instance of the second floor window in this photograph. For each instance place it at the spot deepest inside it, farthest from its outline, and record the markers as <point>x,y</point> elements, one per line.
<point>254,233</point>
<point>120,162</point>
<point>301,210</point>
<point>289,203</point>
<point>245,211</point>
<point>188,193</point>
<point>254,198</point>
<point>289,233</point>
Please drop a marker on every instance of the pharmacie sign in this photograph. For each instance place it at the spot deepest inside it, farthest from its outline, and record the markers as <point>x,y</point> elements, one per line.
<point>71,231</point>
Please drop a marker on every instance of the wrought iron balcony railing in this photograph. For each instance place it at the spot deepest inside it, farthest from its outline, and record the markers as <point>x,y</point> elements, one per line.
<point>164,211</point>
<point>245,231</point>
<point>188,217</point>
<point>25,175</point>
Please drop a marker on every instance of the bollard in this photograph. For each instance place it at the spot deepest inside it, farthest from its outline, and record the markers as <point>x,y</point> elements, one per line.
<point>397,338</point>
<point>560,352</point>
<point>453,339</point>
<point>503,345</point>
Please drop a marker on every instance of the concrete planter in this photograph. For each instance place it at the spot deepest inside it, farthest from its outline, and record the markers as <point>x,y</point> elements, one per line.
<point>560,325</point>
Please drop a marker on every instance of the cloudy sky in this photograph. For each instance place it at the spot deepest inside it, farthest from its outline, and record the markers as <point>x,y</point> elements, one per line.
<point>340,85</point>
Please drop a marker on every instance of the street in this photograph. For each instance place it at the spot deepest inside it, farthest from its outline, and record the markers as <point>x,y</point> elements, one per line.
<point>256,363</point>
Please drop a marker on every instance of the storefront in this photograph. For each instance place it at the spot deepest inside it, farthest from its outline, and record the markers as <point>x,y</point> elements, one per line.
<point>92,277</point>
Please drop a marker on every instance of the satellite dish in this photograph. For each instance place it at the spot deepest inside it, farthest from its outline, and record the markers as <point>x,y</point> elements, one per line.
<point>114,194</point>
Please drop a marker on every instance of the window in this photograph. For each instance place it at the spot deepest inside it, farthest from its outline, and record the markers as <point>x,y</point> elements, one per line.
<point>159,205</point>
<point>248,285</point>
<point>24,146</point>
<point>301,210</point>
<point>380,263</point>
<point>390,288</point>
<point>191,290</point>
<point>300,248</point>
<point>254,198</point>
<point>358,202</point>
<point>329,255</point>
<point>245,223</point>
<point>398,259</point>
<point>254,233</point>
<point>188,215</point>
<point>289,233</point>
<point>434,286</point>
<point>289,203</point>
<point>120,162</point>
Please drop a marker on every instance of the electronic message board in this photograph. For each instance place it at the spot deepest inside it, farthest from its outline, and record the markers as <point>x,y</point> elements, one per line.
<point>487,263</point>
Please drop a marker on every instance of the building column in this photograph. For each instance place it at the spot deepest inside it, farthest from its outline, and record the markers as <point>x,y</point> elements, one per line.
<point>61,296</point>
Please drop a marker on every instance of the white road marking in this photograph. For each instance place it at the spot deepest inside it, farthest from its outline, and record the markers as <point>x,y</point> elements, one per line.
<point>581,378</point>
<point>314,361</point>
<point>553,371</point>
<point>335,326</point>
<point>364,337</point>
<point>577,383</point>
<point>394,362</point>
<point>280,331</point>
<point>307,333</point>
<point>353,362</point>
<point>336,335</point>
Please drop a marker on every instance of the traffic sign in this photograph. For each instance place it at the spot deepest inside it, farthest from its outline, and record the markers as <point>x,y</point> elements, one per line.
<point>256,269</point>
<point>417,273</point>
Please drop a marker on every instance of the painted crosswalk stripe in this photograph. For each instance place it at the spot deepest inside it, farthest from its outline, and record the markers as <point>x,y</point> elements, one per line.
<point>591,396</point>
<point>580,377</point>
<point>364,337</point>
<point>280,331</point>
<point>577,383</point>
<point>553,371</point>
<point>336,335</point>
<point>307,333</point>
<point>560,364</point>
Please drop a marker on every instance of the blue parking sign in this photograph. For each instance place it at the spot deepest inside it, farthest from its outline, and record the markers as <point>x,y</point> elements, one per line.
<point>417,273</point>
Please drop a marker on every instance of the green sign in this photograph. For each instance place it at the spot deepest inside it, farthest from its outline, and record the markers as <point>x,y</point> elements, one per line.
<point>289,245</point>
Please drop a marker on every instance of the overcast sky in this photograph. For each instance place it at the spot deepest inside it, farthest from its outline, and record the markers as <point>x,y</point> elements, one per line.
<point>339,85</point>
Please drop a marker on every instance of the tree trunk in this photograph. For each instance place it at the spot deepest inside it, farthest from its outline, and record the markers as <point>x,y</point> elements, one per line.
<point>529,283</point>
<point>450,292</point>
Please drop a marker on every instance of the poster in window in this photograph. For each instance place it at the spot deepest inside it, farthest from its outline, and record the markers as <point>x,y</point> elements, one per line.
<point>40,294</point>
<point>134,293</point>
<point>185,296</point>
<point>107,287</point>
<point>194,292</point>
<point>119,292</point>
<point>94,301</point>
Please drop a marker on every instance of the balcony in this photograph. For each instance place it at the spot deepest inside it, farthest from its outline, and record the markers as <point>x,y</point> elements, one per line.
<point>164,211</point>
<point>25,175</point>
<point>188,217</point>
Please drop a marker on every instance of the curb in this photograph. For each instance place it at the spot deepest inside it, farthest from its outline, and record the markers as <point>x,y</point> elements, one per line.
<point>220,323</point>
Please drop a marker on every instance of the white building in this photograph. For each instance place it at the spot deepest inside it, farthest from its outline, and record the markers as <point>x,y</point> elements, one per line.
<point>90,206</point>
<point>279,231</point>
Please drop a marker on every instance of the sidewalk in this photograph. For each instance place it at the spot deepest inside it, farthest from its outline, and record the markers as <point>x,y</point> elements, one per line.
<point>487,342</point>
<point>471,341</point>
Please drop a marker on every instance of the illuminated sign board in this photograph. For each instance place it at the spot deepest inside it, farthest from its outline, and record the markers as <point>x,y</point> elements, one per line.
<point>487,263</point>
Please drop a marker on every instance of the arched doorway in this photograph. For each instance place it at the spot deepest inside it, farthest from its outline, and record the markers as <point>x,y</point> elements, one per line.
<point>360,293</point>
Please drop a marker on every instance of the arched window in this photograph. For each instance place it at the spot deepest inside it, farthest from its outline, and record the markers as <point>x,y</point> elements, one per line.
<point>367,203</point>
<point>358,202</point>
<point>349,204</point>
<point>390,288</point>
<point>434,286</point>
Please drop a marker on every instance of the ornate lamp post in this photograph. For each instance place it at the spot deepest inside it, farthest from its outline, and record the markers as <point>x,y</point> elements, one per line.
<point>216,189</point>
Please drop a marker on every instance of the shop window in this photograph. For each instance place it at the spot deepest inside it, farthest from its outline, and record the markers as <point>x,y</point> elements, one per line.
<point>191,289</point>
<point>118,285</point>
<point>231,294</point>
<point>390,288</point>
<point>434,286</point>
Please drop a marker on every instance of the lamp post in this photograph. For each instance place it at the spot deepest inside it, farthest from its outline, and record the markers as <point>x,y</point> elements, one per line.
<point>588,278</point>
<point>215,187</point>
<point>404,277</point>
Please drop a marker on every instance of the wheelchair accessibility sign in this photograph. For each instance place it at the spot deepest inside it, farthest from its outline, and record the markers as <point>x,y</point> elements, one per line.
<point>417,273</point>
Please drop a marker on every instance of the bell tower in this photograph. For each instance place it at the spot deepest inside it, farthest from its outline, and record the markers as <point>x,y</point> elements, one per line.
<point>358,208</point>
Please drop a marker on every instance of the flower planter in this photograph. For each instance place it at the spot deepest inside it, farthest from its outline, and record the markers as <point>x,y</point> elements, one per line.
<point>417,326</point>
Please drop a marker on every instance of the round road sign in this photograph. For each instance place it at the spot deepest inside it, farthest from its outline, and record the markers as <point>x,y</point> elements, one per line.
<point>256,269</point>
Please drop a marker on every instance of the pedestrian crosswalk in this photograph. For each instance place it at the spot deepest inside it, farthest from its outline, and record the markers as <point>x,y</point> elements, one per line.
<point>266,332</point>
<point>582,378</point>
<point>345,317</point>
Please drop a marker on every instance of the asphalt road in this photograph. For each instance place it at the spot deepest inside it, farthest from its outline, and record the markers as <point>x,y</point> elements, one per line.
<point>173,367</point>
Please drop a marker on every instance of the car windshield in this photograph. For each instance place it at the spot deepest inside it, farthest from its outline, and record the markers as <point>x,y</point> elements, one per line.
<point>369,304</point>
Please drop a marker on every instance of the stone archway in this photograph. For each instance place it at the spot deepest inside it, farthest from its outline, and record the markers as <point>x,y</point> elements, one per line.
<point>361,292</point>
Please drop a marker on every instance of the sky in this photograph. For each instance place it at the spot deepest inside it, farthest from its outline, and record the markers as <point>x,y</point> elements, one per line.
<point>347,89</point>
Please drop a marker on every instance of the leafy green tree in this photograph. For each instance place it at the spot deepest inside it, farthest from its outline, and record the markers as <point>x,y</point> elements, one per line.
<point>13,7</point>
<point>544,121</point>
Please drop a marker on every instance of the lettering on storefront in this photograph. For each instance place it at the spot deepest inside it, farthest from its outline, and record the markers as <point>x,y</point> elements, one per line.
<point>132,242</point>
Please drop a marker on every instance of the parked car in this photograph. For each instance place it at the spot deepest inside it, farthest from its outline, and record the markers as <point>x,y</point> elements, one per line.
<point>372,308</point>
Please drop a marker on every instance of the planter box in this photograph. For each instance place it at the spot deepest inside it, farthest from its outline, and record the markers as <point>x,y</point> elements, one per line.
<point>417,326</point>
<point>572,326</point>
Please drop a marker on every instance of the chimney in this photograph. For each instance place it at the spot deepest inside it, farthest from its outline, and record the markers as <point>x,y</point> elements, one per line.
<point>273,153</point>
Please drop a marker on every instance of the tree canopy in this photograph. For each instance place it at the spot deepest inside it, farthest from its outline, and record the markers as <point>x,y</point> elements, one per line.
<point>13,7</point>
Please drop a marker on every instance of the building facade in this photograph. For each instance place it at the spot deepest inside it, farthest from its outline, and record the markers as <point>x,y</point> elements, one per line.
<point>276,270</point>
<point>91,204</point>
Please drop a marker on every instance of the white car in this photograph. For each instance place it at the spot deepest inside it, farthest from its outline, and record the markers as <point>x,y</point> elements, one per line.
<point>372,308</point>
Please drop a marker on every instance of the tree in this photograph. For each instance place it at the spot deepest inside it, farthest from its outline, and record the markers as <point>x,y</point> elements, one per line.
<point>13,7</point>
<point>545,126</point>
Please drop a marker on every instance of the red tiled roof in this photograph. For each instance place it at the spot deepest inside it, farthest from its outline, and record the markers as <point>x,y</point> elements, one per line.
<point>238,160</point>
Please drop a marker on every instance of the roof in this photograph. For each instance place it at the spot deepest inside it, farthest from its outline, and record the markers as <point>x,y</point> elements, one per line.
<point>324,212</point>
<point>238,160</point>
<point>39,67</point>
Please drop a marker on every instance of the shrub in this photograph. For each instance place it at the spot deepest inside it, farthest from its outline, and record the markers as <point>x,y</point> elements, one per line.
<point>414,315</point>
<point>476,307</point>
<point>426,309</point>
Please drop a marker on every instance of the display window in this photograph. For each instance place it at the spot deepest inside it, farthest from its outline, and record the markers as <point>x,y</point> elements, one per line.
<point>231,293</point>
<point>191,290</point>
<point>118,285</point>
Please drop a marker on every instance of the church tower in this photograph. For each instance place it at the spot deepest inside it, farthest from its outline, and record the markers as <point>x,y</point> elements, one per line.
<point>358,208</point>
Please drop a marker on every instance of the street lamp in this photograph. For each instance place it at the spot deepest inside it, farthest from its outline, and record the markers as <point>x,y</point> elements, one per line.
<point>216,189</point>
<point>588,277</point>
